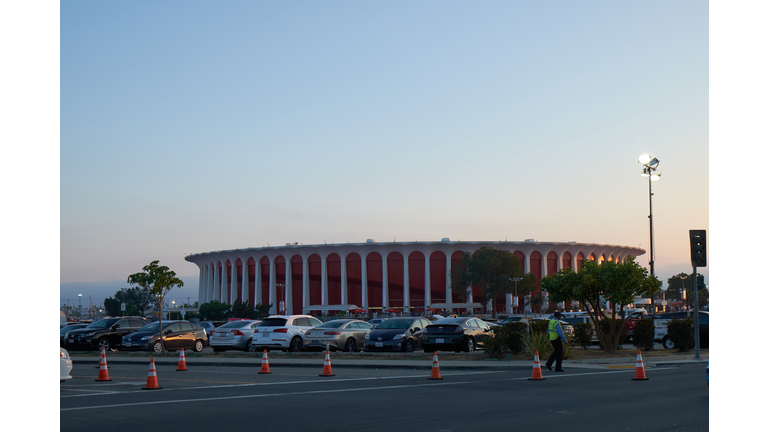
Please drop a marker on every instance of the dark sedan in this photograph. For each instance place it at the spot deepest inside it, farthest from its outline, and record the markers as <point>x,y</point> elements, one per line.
<point>455,334</point>
<point>396,334</point>
<point>176,335</point>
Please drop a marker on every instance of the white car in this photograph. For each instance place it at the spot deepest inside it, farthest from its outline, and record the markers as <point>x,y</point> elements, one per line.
<point>283,332</point>
<point>66,365</point>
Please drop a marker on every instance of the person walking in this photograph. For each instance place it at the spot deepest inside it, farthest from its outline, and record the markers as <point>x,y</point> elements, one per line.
<point>556,338</point>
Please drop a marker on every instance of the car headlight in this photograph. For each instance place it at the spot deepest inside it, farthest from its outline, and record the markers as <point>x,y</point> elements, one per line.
<point>86,334</point>
<point>400,336</point>
<point>367,336</point>
<point>148,337</point>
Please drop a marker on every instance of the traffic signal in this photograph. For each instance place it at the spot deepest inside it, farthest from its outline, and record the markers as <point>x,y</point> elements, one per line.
<point>698,248</point>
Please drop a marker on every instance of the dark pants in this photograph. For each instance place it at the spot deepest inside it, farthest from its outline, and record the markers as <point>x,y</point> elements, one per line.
<point>557,344</point>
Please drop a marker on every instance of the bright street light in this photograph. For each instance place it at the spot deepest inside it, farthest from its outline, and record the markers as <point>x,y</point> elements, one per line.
<point>650,164</point>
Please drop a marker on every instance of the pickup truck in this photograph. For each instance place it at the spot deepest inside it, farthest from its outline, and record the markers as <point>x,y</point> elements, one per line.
<point>660,323</point>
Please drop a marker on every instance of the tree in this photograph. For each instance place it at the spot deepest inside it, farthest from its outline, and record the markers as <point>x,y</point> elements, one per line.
<point>159,280</point>
<point>214,310</point>
<point>619,283</point>
<point>492,270</point>
<point>680,281</point>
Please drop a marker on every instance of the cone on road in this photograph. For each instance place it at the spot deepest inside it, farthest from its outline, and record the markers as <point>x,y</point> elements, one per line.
<point>103,372</point>
<point>264,364</point>
<point>435,375</point>
<point>182,362</point>
<point>152,377</point>
<point>639,368</point>
<point>536,369</point>
<point>327,364</point>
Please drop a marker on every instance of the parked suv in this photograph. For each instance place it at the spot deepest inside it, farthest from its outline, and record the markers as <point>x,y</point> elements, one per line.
<point>283,332</point>
<point>105,333</point>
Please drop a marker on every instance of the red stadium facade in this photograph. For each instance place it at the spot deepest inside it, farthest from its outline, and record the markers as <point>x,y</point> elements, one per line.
<point>374,276</point>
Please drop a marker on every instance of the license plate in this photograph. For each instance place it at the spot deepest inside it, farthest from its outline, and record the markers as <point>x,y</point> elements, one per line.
<point>265,335</point>
<point>379,344</point>
<point>71,341</point>
<point>127,344</point>
<point>439,340</point>
<point>222,334</point>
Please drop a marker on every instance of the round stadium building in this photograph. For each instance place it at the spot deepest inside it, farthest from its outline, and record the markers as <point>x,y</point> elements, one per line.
<point>392,277</point>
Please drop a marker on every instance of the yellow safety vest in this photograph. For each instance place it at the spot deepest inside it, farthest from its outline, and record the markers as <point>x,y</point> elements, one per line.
<point>552,329</point>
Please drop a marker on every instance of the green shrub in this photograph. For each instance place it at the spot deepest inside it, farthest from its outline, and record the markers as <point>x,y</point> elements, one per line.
<point>680,332</point>
<point>507,339</point>
<point>582,333</point>
<point>539,326</point>
<point>642,334</point>
<point>537,342</point>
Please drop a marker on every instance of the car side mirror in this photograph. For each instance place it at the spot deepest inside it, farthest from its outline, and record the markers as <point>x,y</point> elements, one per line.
<point>166,332</point>
<point>414,330</point>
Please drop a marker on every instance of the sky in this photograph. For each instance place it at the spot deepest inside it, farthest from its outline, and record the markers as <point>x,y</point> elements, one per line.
<point>192,127</point>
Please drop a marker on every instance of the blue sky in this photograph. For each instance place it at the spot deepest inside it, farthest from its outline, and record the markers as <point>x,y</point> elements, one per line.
<point>190,126</point>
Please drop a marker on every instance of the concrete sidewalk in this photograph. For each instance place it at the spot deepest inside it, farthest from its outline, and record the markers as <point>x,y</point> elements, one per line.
<point>599,364</point>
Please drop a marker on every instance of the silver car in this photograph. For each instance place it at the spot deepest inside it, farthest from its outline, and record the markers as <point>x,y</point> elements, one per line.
<point>340,334</point>
<point>235,335</point>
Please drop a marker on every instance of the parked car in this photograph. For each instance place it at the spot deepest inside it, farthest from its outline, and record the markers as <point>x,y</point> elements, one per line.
<point>376,321</point>
<point>63,331</point>
<point>582,319</point>
<point>514,318</point>
<point>105,333</point>
<point>176,335</point>
<point>340,334</point>
<point>396,334</point>
<point>283,332</point>
<point>455,334</point>
<point>210,326</point>
<point>661,321</point>
<point>629,320</point>
<point>65,365</point>
<point>233,335</point>
<point>567,327</point>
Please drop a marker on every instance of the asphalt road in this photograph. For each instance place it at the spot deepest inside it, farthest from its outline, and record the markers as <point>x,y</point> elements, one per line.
<point>297,399</point>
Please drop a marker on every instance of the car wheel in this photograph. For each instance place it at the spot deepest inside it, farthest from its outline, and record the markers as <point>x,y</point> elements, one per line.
<point>351,346</point>
<point>408,347</point>
<point>295,344</point>
<point>247,346</point>
<point>469,346</point>
<point>157,347</point>
<point>666,343</point>
<point>104,343</point>
<point>252,348</point>
<point>199,345</point>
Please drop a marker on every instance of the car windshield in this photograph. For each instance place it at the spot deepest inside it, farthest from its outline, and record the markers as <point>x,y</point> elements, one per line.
<point>155,326</point>
<point>273,322</point>
<point>234,324</point>
<point>100,324</point>
<point>68,328</point>
<point>394,324</point>
<point>332,324</point>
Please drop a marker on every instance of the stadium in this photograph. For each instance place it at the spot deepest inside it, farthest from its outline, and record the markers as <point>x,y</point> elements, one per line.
<point>374,277</point>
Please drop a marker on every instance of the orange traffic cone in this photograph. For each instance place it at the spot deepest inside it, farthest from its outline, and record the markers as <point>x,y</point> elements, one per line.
<point>103,372</point>
<point>327,365</point>
<point>152,377</point>
<point>182,362</point>
<point>536,369</point>
<point>264,364</point>
<point>639,368</point>
<point>435,375</point>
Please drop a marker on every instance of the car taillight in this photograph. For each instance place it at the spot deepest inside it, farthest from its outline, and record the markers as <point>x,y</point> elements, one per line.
<point>212,331</point>
<point>282,330</point>
<point>306,334</point>
<point>237,332</point>
<point>332,333</point>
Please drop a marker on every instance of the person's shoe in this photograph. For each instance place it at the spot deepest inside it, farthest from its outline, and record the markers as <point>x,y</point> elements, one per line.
<point>548,366</point>
<point>559,370</point>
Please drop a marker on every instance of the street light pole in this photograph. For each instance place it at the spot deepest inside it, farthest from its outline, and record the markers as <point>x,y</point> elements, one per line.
<point>650,164</point>
<point>515,280</point>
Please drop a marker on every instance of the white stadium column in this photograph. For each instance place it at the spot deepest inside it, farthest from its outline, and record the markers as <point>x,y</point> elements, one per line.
<point>344,293</point>
<point>406,283</point>
<point>364,281</point>
<point>272,292</point>
<point>223,281</point>
<point>324,280</point>
<point>384,283</point>
<point>209,284</point>
<point>257,286</point>
<point>246,287</point>
<point>304,282</point>
<point>200,281</point>
<point>216,281</point>
<point>233,282</point>
<point>288,288</point>
<point>427,282</point>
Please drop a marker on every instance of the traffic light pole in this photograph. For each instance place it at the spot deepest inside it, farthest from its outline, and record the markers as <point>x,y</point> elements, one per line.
<point>696,313</point>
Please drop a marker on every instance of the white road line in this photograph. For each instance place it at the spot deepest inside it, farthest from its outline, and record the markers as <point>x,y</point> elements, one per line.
<point>442,383</point>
